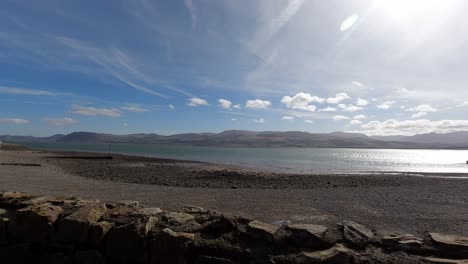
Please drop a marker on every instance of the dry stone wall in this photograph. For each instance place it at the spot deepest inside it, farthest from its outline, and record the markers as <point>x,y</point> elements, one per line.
<point>73,230</point>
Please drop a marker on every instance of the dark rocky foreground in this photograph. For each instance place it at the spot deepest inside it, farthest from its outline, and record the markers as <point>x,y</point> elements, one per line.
<point>73,230</point>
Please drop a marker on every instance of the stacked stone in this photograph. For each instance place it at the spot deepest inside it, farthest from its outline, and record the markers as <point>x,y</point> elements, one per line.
<point>73,230</point>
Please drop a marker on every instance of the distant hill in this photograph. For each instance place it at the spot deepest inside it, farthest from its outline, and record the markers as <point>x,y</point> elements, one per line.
<point>241,138</point>
<point>453,140</point>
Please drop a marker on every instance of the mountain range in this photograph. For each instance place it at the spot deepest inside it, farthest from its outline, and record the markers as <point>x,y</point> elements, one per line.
<point>240,138</point>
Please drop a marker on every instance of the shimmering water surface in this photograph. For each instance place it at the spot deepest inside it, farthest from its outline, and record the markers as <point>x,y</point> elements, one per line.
<point>297,160</point>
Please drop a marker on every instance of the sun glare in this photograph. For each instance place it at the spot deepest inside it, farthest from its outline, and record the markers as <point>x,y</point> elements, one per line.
<point>406,10</point>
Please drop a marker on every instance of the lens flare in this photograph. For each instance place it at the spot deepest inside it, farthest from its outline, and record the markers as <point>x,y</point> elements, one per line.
<point>349,22</point>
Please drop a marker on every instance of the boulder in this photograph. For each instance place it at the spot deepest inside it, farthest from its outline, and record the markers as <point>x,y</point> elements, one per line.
<point>304,235</point>
<point>450,245</point>
<point>3,231</point>
<point>212,260</point>
<point>169,246</point>
<point>337,255</point>
<point>34,223</point>
<point>147,211</point>
<point>356,234</point>
<point>14,199</point>
<point>262,231</point>
<point>403,242</point>
<point>75,227</point>
<point>180,222</point>
<point>446,261</point>
<point>128,243</point>
<point>190,209</point>
<point>121,215</point>
<point>97,233</point>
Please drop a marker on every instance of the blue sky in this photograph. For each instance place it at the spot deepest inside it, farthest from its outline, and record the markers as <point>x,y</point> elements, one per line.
<point>373,66</point>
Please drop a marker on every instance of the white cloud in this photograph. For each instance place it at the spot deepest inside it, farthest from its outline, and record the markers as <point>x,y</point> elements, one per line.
<point>309,121</point>
<point>360,84</point>
<point>194,102</point>
<point>171,107</point>
<point>362,102</point>
<point>259,120</point>
<point>60,121</point>
<point>355,122</point>
<point>125,124</point>
<point>24,91</point>
<point>422,108</point>
<point>338,98</point>
<point>386,105</point>
<point>328,109</point>
<point>350,108</point>
<point>93,111</point>
<point>233,119</point>
<point>359,117</point>
<point>226,104</point>
<point>340,117</point>
<point>412,127</point>
<point>419,115</point>
<point>463,104</point>
<point>302,101</point>
<point>257,104</point>
<point>288,118</point>
<point>17,121</point>
<point>237,106</point>
<point>134,108</point>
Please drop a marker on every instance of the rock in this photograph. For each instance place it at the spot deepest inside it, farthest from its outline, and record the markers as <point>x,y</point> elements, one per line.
<point>121,215</point>
<point>450,245</point>
<point>403,242</point>
<point>218,225</point>
<point>128,203</point>
<point>446,261</point>
<point>212,260</point>
<point>305,235</point>
<point>14,199</point>
<point>168,246</point>
<point>97,233</point>
<point>147,211</point>
<point>88,257</point>
<point>180,222</point>
<point>356,234</point>
<point>337,255</point>
<point>190,209</point>
<point>75,227</point>
<point>3,231</point>
<point>262,231</point>
<point>34,223</point>
<point>128,243</point>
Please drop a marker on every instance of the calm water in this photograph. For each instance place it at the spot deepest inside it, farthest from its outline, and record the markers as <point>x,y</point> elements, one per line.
<point>299,160</point>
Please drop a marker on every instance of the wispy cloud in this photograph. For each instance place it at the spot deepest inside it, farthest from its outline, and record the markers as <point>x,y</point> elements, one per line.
<point>93,111</point>
<point>191,8</point>
<point>25,91</point>
<point>60,121</point>
<point>17,121</point>
<point>134,108</point>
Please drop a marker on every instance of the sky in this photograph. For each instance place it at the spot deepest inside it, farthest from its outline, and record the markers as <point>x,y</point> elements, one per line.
<point>377,67</point>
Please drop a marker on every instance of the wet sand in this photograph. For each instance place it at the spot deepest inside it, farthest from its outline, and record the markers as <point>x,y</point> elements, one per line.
<point>385,202</point>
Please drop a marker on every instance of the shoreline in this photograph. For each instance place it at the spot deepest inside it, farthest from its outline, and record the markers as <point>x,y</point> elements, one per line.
<point>406,203</point>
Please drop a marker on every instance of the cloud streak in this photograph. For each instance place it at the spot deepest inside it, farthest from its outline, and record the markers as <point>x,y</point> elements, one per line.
<point>93,111</point>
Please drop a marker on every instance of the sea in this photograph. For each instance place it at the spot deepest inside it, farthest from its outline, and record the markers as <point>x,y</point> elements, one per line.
<point>293,160</point>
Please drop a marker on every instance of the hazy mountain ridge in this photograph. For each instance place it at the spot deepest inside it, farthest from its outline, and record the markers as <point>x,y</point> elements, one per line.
<point>241,138</point>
